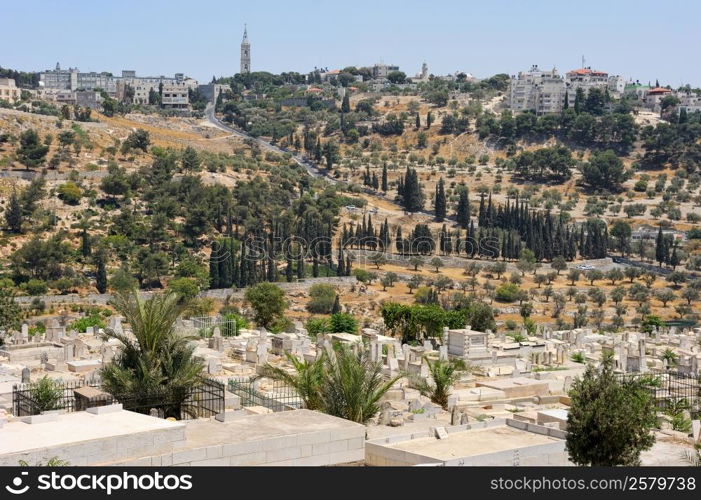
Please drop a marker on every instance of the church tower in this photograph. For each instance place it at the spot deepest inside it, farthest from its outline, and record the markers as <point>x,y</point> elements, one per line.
<point>245,52</point>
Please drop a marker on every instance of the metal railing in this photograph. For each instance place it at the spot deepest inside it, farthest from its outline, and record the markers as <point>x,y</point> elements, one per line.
<point>205,326</point>
<point>279,397</point>
<point>671,388</point>
<point>205,399</point>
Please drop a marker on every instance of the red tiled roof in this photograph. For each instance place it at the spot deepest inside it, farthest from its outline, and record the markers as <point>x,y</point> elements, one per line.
<point>586,71</point>
<point>658,90</point>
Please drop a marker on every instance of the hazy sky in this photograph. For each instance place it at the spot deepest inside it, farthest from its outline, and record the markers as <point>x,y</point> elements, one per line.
<point>638,39</point>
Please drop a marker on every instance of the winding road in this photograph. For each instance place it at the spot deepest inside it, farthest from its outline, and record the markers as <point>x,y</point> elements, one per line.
<point>311,169</point>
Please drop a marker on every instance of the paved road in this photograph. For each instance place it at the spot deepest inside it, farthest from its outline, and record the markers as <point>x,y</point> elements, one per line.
<point>311,169</point>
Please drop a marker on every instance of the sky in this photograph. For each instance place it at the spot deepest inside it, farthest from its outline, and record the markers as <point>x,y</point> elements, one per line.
<point>638,39</point>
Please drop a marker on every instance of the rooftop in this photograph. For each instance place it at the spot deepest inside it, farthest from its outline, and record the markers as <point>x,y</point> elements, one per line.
<point>473,442</point>
<point>69,428</point>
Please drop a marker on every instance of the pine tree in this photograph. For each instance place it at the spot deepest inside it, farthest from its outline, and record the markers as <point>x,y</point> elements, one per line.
<point>439,201</point>
<point>13,214</point>
<point>384,178</point>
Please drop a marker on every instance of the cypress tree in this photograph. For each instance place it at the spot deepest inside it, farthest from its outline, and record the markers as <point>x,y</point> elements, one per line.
<point>439,202</point>
<point>214,267</point>
<point>429,120</point>
<point>674,259</point>
<point>418,121</point>
<point>100,272</point>
<point>300,264</point>
<point>659,247</point>
<point>399,241</point>
<point>384,178</point>
<point>85,248</point>
<point>318,151</point>
<point>345,104</point>
<point>13,214</point>
<point>336,308</point>
<point>463,209</point>
<point>289,272</point>
<point>412,196</point>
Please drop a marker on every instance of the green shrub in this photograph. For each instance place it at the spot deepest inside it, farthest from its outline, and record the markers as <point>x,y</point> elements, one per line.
<point>46,394</point>
<point>315,326</point>
<point>322,297</point>
<point>343,322</point>
<point>36,287</point>
<point>508,292</point>
<point>82,324</point>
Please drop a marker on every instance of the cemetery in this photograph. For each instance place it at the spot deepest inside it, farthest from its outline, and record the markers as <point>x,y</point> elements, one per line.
<point>507,405</point>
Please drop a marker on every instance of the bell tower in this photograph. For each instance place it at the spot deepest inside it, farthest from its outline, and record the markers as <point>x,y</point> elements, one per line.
<point>245,52</point>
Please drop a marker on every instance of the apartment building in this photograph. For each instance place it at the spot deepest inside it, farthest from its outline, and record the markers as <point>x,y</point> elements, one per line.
<point>381,70</point>
<point>8,90</point>
<point>71,79</point>
<point>689,102</point>
<point>587,78</point>
<point>537,90</point>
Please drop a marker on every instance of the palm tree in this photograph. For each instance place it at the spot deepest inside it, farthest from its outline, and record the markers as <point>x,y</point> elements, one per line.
<point>307,379</point>
<point>343,382</point>
<point>353,384</point>
<point>670,356</point>
<point>443,375</point>
<point>156,363</point>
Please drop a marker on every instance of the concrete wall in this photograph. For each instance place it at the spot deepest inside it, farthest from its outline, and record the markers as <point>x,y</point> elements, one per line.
<point>96,451</point>
<point>380,453</point>
<point>310,449</point>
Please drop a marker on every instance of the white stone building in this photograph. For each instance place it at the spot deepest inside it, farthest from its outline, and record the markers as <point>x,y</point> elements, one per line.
<point>8,90</point>
<point>537,90</point>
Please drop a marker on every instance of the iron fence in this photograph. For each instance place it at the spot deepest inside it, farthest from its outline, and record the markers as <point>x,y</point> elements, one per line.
<point>671,389</point>
<point>277,397</point>
<point>205,399</point>
<point>205,325</point>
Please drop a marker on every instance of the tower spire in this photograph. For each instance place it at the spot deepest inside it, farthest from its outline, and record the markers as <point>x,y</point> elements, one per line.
<point>245,52</point>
